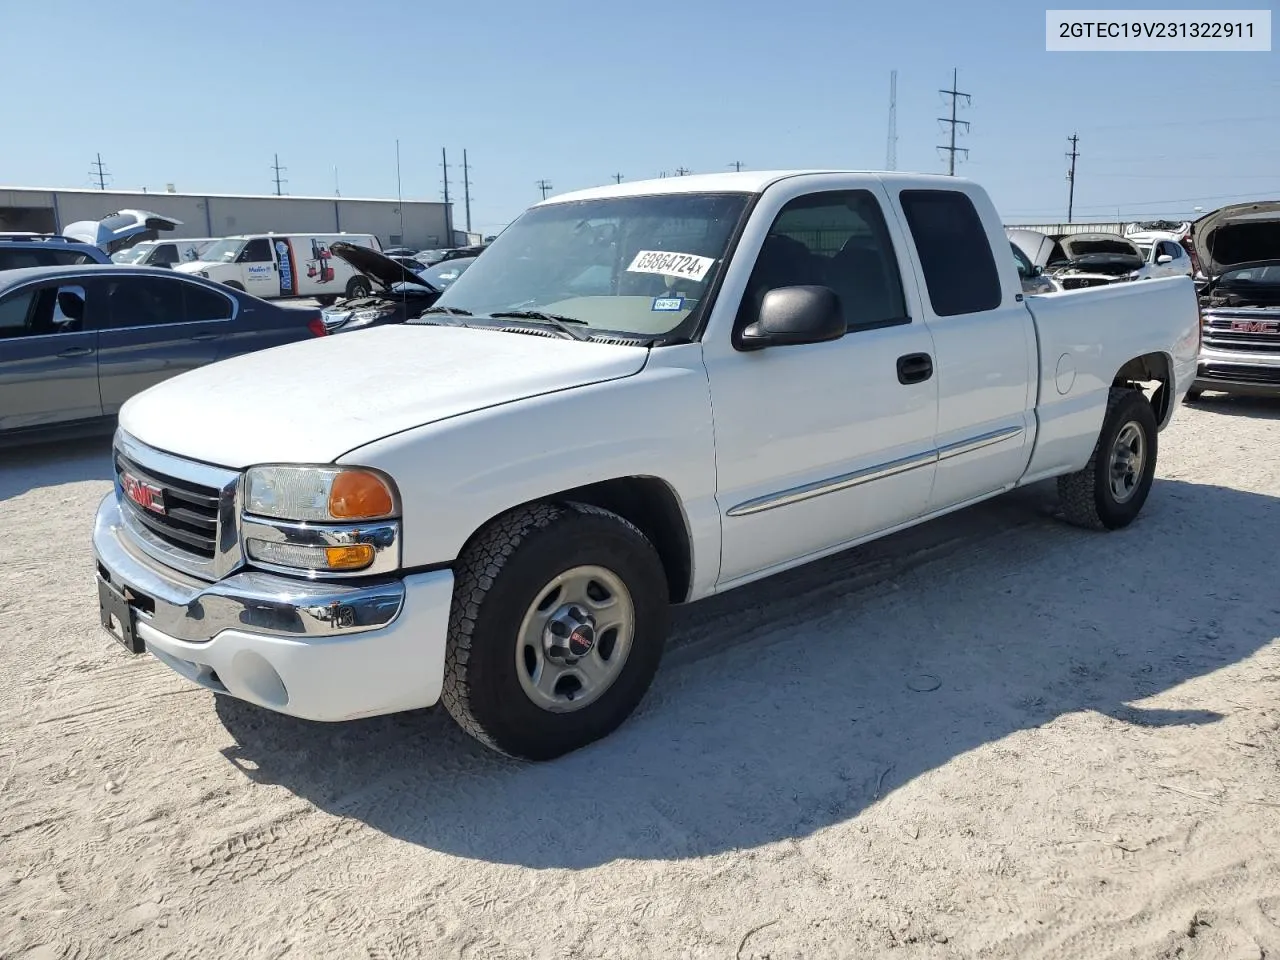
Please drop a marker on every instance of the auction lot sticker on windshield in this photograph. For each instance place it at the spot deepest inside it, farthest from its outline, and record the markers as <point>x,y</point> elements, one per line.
<point>671,264</point>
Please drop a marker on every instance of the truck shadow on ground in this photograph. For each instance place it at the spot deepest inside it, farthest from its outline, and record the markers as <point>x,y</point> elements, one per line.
<point>51,464</point>
<point>794,704</point>
<point>1228,405</point>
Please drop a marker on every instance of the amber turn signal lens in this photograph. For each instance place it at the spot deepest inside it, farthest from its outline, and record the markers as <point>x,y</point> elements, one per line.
<point>360,495</point>
<point>352,557</point>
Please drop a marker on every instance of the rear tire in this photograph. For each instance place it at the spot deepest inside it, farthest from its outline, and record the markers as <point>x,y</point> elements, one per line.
<point>328,300</point>
<point>522,675</point>
<point>358,287</point>
<point>1110,491</point>
<point>1192,396</point>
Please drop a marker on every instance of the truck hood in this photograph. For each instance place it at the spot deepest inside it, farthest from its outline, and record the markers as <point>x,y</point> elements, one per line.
<point>313,401</point>
<point>1237,234</point>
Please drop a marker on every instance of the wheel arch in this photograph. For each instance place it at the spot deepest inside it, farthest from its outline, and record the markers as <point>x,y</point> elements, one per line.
<point>1155,367</point>
<point>650,503</point>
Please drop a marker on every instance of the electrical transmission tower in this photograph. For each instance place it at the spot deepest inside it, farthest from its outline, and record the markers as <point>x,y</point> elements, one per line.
<point>545,187</point>
<point>466,189</point>
<point>99,173</point>
<point>891,148</point>
<point>681,171</point>
<point>617,178</point>
<point>278,170</point>
<point>737,166</point>
<point>1071,175</point>
<point>952,150</point>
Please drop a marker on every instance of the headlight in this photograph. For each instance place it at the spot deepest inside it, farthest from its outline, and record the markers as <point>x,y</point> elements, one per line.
<point>320,494</point>
<point>361,317</point>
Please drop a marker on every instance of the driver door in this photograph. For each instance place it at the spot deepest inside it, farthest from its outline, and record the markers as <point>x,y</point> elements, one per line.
<point>261,274</point>
<point>821,445</point>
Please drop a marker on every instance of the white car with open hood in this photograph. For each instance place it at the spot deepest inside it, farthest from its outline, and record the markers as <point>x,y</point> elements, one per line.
<point>639,395</point>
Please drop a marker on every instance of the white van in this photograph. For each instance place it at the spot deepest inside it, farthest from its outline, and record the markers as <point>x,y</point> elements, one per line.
<point>163,253</point>
<point>271,265</point>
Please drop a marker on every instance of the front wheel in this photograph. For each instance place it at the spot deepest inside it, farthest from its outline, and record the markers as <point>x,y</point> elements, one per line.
<point>559,617</point>
<point>1110,491</point>
<point>235,286</point>
<point>358,287</point>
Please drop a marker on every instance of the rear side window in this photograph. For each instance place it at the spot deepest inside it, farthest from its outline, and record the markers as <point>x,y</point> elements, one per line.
<point>202,304</point>
<point>144,302</point>
<point>955,255</point>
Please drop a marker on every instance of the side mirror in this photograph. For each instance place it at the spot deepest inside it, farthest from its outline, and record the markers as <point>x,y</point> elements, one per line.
<point>1037,271</point>
<point>795,315</point>
<point>1164,258</point>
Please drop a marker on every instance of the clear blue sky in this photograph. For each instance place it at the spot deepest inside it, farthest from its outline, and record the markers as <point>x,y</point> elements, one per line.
<point>201,95</point>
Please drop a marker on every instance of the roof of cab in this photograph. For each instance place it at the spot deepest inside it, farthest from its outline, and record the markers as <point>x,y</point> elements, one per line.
<point>745,181</point>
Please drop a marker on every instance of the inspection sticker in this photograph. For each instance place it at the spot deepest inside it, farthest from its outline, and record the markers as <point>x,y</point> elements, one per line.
<point>668,303</point>
<point>671,264</point>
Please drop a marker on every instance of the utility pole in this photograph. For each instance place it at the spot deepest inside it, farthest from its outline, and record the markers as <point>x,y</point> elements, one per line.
<point>737,166</point>
<point>466,188</point>
<point>99,173</point>
<point>952,150</point>
<point>399,192</point>
<point>1071,175</point>
<point>444,165</point>
<point>617,178</point>
<point>545,187</point>
<point>681,171</point>
<point>277,168</point>
<point>336,191</point>
<point>891,149</point>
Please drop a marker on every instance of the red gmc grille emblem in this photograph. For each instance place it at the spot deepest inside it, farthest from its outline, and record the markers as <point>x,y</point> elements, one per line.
<point>143,494</point>
<point>1255,326</point>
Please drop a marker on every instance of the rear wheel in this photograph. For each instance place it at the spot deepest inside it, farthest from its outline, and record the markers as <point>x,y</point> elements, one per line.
<point>1110,491</point>
<point>328,300</point>
<point>559,618</point>
<point>358,287</point>
<point>1192,396</point>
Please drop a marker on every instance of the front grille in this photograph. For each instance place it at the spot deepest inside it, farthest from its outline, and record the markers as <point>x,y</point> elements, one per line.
<point>1240,373</point>
<point>1079,283</point>
<point>1218,334</point>
<point>190,519</point>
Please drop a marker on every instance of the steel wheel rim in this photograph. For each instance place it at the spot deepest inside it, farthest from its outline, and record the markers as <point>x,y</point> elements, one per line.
<point>556,673</point>
<point>1128,461</point>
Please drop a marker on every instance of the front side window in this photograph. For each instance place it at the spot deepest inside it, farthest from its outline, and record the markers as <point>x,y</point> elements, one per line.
<point>838,240</point>
<point>633,265</point>
<point>959,269</point>
<point>42,311</point>
<point>257,251</point>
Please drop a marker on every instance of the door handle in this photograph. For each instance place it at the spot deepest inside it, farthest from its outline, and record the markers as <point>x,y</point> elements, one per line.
<point>76,352</point>
<point>204,336</point>
<point>915,368</point>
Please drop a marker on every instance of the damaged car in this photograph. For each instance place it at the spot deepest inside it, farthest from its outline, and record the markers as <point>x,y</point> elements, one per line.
<point>1081,260</point>
<point>120,230</point>
<point>1238,247</point>
<point>400,292</point>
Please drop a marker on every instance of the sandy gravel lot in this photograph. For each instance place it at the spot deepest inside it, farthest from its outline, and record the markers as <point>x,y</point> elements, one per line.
<point>994,736</point>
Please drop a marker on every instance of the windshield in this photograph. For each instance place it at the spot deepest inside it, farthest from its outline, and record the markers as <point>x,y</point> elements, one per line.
<point>638,265</point>
<point>222,251</point>
<point>1258,275</point>
<point>134,254</point>
<point>443,274</point>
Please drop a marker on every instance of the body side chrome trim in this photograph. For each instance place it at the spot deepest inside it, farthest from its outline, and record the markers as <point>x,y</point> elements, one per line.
<point>879,472</point>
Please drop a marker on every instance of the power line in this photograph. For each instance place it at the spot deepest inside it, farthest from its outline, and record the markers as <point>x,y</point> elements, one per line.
<point>737,166</point>
<point>545,187</point>
<point>952,150</point>
<point>278,170</point>
<point>99,173</point>
<point>891,148</point>
<point>466,188</point>
<point>1071,175</point>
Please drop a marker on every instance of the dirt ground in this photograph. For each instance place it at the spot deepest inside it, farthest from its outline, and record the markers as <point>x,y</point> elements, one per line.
<point>993,736</point>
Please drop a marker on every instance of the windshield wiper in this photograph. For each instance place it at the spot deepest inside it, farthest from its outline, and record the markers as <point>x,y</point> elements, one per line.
<point>557,320</point>
<point>451,311</point>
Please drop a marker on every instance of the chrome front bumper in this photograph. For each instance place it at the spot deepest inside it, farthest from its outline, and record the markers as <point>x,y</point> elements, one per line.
<point>193,610</point>
<point>314,649</point>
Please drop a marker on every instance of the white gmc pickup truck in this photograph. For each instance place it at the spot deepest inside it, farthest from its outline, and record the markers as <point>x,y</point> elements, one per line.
<point>638,395</point>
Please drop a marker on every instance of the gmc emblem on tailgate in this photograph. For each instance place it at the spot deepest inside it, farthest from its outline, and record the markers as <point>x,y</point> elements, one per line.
<point>143,494</point>
<point>1255,326</point>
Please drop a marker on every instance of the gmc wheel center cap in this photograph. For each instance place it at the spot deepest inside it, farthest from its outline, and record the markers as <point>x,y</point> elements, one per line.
<point>582,639</point>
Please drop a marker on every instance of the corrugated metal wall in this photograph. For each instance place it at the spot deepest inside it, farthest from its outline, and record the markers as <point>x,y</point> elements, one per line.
<point>1065,229</point>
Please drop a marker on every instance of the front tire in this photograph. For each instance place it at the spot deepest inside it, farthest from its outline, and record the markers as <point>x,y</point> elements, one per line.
<point>358,287</point>
<point>559,618</point>
<point>234,285</point>
<point>1110,491</point>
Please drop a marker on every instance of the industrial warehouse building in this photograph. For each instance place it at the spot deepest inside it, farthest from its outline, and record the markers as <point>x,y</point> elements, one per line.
<point>417,223</point>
